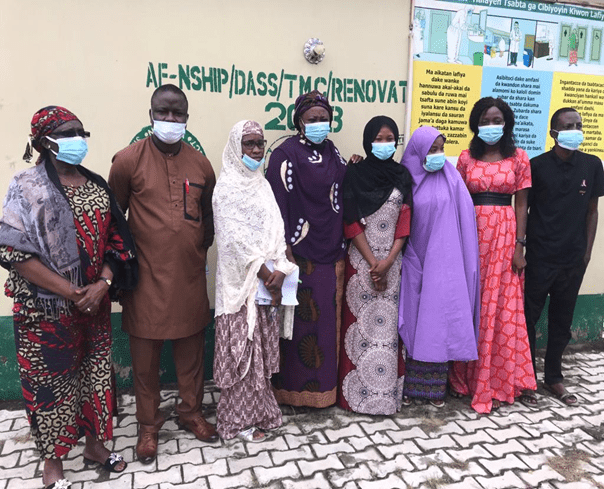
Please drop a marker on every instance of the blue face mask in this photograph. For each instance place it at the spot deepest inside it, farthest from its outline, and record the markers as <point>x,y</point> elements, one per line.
<point>251,163</point>
<point>316,132</point>
<point>383,151</point>
<point>434,162</point>
<point>570,140</point>
<point>490,134</point>
<point>71,150</point>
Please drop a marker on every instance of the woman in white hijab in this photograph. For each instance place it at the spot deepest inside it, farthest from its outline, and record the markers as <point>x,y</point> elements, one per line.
<point>251,243</point>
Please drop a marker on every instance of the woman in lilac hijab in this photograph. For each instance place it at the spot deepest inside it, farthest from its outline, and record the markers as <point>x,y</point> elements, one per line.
<point>439,307</point>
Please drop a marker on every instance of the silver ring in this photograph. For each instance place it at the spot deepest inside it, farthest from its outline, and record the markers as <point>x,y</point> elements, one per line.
<point>88,310</point>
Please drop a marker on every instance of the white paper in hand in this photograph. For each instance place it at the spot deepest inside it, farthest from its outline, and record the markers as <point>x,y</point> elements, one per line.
<point>289,290</point>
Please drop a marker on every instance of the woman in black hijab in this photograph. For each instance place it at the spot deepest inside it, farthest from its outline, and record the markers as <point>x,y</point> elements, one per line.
<point>377,217</point>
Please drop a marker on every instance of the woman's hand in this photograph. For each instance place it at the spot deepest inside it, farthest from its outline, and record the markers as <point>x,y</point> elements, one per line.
<point>518,262</point>
<point>91,297</point>
<point>380,269</point>
<point>354,159</point>
<point>273,285</point>
<point>380,285</point>
<point>275,280</point>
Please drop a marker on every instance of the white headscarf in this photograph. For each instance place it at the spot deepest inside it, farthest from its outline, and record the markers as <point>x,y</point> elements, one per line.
<point>249,231</point>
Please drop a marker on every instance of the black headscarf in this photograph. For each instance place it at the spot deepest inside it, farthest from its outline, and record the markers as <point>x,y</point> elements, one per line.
<point>368,184</point>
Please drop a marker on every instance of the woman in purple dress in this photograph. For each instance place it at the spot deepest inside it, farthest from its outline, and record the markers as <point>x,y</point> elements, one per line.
<point>439,308</point>
<point>306,174</point>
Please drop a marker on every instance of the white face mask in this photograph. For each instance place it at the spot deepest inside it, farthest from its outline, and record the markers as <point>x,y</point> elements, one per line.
<point>169,132</point>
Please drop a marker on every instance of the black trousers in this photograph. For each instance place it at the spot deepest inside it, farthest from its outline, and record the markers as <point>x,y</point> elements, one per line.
<point>513,58</point>
<point>562,285</point>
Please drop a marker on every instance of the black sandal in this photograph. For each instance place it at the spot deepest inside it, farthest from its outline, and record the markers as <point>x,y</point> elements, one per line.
<point>528,400</point>
<point>110,464</point>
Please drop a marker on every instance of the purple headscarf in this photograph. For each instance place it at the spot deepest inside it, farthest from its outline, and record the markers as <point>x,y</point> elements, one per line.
<point>439,311</point>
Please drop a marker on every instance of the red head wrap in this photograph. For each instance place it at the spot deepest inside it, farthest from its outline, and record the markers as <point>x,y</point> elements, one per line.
<point>44,122</point>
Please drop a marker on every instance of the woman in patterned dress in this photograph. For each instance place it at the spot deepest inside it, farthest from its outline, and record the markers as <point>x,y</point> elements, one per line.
<point>251,246</point>
<point>439,310</point>
<point>306,174</point>
<point>377,215</point>
<point>493,169</point>
<point>66,245</point>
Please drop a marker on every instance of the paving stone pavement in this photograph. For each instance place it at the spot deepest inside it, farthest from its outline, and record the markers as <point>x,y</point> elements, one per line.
<point>552,447</point>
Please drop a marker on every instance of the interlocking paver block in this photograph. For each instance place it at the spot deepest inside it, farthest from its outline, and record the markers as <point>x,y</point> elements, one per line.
<point>352,459</point>
<point>402,435</point>
<point>543,427</point>
<point>211,454</point>
<point>294,441</point>
<point>473,438</point>
<point>10,460</point>
<point>536,477</point>
<point>124,481</point>
<point>497,466</point>
<point>380,439</point>
<point>476,424</point>
<point>244,478</point>
<point>537,444</point>
<point>191,472</point>
<point>317,482</point>
<point>397,465</point>
<point>536,460</point>
<point>323,450</point>
<point>236,465</point>
<point>392,481</point>
<point>19,483</point>
<point>271,444</point>
<point>467,483</point>
<point>144,479</point>
<point>17,440</point>
<point>458,471</point>
<point>23,471</point>
<point>267,475</point>
<point>125,442</point>
<point>405,448</point>
<point>568,411</point>
<point>503,434</point>
<point>422,462</point>
<point>168,460</point>
<point>506,481</point>
<point>310,467</point>
<point>450,428</point>
<point>346,432</point>
<point>464,455</point>
<point>537,416</point>
<point>288,428</point>
<point>360,443</point>
<point>340,478</point>
<point>414,479</point>
<point>502,449</point>
<point>303,452</point>
<point>197,484</point>
<point>572,438</point>
<point>434,443</point>
<point>385,424</point>
<point>582,484</point>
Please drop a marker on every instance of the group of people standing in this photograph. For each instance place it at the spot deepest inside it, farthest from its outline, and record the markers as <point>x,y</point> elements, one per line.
<point>408,276</point>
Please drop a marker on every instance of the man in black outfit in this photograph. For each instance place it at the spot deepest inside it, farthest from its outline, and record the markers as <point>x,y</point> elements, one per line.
<point>563,216</point>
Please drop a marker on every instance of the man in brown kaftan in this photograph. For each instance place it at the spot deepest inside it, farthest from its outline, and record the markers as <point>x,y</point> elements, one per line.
<point>167,186</point>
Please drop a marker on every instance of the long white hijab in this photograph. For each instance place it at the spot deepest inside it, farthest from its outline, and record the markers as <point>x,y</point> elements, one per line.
<point>249,231</point>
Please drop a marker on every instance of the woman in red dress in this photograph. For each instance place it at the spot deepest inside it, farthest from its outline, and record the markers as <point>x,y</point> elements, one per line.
<point>494,170</point>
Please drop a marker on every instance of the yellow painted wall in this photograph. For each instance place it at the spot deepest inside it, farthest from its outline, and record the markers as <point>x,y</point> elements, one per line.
<point>93,57</point>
